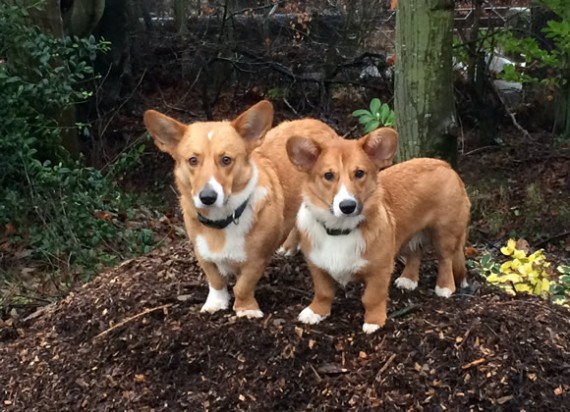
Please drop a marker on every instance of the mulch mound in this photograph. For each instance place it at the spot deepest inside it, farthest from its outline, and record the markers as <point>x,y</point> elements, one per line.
<point>133,339</point>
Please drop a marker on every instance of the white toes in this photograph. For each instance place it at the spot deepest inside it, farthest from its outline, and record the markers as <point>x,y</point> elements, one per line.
<point>464,283</point>
<point>249,313</point>
<point>309,317</point>
<point>370,328</point>
<point>405,283</point>
<point>217,300</point>
<point>443,292</point>
<point>287,252</point>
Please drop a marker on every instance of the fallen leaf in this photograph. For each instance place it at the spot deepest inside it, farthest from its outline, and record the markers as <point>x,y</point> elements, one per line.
<point>241,397</point>
<point>470,251</point>
<point>362,355</point>
<point>504,399</point>
<point>139,378</point>
<point>312,343</point>
<point>332,369</point>
<point>558,391</point>
<point>299,331</point>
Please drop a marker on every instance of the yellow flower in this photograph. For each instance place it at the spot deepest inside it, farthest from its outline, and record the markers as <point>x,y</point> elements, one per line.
<point>506,267</point>
<point>542,287</point>
<point>511,277</point>
<point>536,256</point>
<point>515,263</point>
<point>523,287</point>
<point>493,278</point>
<point>519,254</point>
<point>510,248</point>
<point>526,269</point>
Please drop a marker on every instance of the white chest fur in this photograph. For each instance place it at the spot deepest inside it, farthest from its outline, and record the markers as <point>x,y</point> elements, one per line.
<point>234,250</point>
<point>340,256</point>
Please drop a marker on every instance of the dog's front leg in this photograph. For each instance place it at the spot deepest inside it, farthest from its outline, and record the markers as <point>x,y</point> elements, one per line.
<point>245,304</point>
<point>218,296</point>
<point>375,298</point>
<point>320,307</point>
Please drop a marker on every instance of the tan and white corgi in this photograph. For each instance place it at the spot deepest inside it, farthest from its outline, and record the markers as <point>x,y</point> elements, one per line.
<point>238,192</point>
<point>354,220</point>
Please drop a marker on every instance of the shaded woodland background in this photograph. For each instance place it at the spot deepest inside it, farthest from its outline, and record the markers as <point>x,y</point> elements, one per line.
<point>100,293</point>
<point>198,60</point>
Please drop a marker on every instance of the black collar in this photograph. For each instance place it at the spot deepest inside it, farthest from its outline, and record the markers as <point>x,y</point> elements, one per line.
<point>222,224</point>
<point>338,232</point>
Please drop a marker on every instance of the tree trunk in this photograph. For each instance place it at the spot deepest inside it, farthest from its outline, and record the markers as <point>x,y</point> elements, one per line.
<point>424,100</point>
<point>181,16</point>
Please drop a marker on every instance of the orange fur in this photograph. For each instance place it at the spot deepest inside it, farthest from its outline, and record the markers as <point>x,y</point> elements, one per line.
<point>420,197</point>
<point>235,160</point>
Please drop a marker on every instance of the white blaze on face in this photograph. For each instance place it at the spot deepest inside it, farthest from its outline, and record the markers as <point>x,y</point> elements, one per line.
<point>216,187</point>
<point>210,134</point>
<point>341,195</point>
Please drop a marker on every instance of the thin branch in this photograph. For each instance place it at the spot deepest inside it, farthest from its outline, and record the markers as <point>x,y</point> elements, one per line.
<point>125,321</point>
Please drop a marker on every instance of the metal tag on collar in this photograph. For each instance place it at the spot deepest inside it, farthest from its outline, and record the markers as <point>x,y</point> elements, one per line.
<point>235,219</point>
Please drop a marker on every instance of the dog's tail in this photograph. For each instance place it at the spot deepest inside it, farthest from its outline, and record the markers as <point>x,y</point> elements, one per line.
<point>458,262</point>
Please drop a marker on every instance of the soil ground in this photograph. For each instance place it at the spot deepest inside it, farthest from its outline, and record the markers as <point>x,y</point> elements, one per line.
<point>133,339</point>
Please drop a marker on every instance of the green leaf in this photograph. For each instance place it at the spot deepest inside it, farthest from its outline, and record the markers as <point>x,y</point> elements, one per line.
<point>375,105</point>
<point>367,119</point>
<point>373,125</point>
<point>391,121</point>
<point>384,113</point>
<point>361,112</point>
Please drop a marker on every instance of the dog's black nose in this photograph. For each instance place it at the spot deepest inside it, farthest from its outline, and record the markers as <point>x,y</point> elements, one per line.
<point>208,196</point>
<point>347,206</point>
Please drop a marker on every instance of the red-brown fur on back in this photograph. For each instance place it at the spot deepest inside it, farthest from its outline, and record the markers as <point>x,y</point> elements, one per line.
<point>221,166</point>
<point>354,220</point>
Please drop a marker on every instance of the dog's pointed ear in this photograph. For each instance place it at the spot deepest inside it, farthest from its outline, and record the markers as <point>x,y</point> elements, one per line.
<point>254,122</point>
<point>166,131</point>
<point>380,146</point>
<point>303,152</point>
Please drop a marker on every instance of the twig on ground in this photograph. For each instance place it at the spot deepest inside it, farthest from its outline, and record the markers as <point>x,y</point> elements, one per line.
<point>386,365</point>
<point>125,321</point>
<point>291,107</point>
<point>481,149</point>
<point>551,238</point>
<point>403,312</point>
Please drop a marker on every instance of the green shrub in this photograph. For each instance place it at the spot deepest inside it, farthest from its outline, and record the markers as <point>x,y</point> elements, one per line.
<point>525,272</point>
<point>67,215</point>
<point>379,115</point>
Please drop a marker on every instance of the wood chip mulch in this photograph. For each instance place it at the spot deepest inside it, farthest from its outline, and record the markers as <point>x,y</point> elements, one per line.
<point>133,339</point>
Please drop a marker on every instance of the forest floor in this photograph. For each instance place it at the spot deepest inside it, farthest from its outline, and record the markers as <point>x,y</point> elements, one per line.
<point>133,339</point>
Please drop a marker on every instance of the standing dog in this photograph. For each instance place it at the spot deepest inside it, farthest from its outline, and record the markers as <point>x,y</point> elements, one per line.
<point>239,196</point>
<point>354,220</point>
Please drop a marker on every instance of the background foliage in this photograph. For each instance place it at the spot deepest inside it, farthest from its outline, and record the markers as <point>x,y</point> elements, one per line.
<point>67,215</point>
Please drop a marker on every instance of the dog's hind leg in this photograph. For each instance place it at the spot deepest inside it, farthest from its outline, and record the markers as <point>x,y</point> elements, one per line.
<point>291,245</point>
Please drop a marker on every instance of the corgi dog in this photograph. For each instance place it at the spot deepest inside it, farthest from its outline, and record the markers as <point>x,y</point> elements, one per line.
<point>354,220</point>
<point>238,192</point>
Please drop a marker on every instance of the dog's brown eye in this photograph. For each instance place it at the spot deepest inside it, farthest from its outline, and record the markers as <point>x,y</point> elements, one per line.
<point>329,176</point>
<point>359,174</point>
<point>193,161</point>
<point>226,160</point>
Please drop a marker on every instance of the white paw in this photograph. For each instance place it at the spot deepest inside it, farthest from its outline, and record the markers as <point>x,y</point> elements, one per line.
<point>464,283</point>
<point>249,313</point>
<point>443,292</point>
<point>216,300</point>
<point>309,317</point>
<point>405,283</point>
<point>287,252</point>
<point>370,328</point>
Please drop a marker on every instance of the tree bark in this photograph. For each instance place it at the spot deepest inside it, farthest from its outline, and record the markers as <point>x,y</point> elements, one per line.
<point>424,99</point>
<point>181,16</point>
